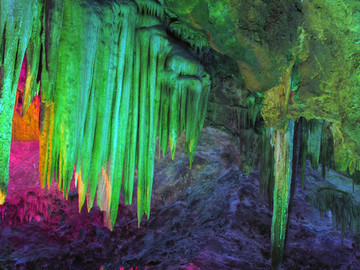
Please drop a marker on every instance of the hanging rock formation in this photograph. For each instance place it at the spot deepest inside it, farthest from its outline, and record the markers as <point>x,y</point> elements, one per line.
<point>111,81</point>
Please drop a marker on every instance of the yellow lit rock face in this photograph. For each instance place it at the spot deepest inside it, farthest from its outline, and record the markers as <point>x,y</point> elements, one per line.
<point>26,128</point>
<point>276,103</point>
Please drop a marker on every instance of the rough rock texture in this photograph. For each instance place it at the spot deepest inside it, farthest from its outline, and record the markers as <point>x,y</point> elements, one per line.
<point>25,125</point>
<point>209,217</point>
<point>39,228</point>
<point>302,55</point>
<point>253,33</point>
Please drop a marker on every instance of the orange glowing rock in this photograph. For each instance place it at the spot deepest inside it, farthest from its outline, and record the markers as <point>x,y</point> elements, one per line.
<point>26,128</point>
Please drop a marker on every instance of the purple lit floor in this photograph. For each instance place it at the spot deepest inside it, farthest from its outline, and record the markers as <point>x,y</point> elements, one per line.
<point>209,217</point>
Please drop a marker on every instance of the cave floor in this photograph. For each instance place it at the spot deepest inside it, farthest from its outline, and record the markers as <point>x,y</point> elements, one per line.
<point>207,217</point>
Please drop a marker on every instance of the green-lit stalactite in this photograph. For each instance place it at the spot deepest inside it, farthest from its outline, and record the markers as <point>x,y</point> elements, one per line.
<point>112,81</point>
<point>267,164</point>
<point>327,158</point>
<point>317,144</point>
<point>52,23</point>
<point>314,141</point>
<point>343,205</point>
<point>121,121</point>
<point>33,59</point>
<point>283,149</point>
<point>197,40</point>
<point>19,23</point>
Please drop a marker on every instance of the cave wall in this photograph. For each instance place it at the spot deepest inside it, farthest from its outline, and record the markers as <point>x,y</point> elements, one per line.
<point>296,61</point>
<point>302,55</point>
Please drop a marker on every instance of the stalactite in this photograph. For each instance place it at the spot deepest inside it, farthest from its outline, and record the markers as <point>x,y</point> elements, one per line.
<point>254,106</point>
<point>52,24</point>
<point>151,8</point>
<point>317,144</point>
<point>283,141</point>
<point>267,165</point>
<point>326,158</point>
<point>314,141</point>
<point>295,163</point>
<point>344,207</point>
<point>195,39</point>
<point>33,60</point>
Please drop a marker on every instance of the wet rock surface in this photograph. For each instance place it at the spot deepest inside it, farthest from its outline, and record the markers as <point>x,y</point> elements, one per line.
<point>208,217</point>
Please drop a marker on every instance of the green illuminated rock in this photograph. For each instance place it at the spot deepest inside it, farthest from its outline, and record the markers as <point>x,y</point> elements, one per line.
<point>283,150</point>
<point>112,81</point>
<point>19,25</point>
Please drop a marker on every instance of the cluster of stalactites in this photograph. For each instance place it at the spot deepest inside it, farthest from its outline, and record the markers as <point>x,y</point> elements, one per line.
<point>318,141</point>
<point>196,39</point>
<point>266,164</point>
<point>282,152</point>
<point>20,27</point>
<point>151,8</point>
<point>110,85</point>
<point>316,144</point>
<point>343,206</point>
